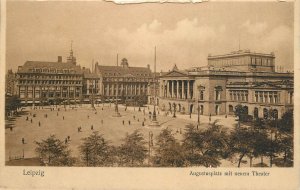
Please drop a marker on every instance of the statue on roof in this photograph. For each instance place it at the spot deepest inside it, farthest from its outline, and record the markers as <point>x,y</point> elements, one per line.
<point>175,68</point>
<point>124,62</point>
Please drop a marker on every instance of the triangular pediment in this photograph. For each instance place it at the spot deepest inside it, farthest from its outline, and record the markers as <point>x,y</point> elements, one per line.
<point>175,74</point>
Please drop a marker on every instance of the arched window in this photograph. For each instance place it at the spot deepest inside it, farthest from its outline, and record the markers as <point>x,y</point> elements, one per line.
<point>255,113</point>
<point>266,113</point>
<point>230,108</point>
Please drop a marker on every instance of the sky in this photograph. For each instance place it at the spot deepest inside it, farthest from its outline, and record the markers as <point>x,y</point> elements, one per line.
<point>184,34</point>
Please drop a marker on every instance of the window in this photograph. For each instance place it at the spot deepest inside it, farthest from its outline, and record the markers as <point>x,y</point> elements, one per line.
<point>201,95</point>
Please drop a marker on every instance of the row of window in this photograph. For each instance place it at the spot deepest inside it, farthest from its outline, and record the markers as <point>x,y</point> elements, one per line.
<point>128,79</point>
<point>52,88</point>
<point>51,70</point>
<point>261,61</point>
<point>267,97</point>
<point>49,95</point>
<point>48,82</point>
<point>72,77</point>
<point>238,95</point>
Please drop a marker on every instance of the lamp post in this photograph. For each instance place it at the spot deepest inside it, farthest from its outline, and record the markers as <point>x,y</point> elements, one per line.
<point>154,122</point>
<point>174,110</point>
<point>198,124</point>
<point>117,114</point>
<point>150,145</point>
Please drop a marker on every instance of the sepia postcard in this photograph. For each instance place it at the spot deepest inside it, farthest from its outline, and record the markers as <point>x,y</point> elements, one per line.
<point>160,95</point>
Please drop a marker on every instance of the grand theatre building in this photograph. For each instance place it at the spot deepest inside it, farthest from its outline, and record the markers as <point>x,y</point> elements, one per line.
<point>241,77</point>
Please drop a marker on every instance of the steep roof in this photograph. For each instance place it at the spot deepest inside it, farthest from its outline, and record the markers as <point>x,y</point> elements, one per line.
<point>49,67</point>
<point>91,76</point>
<point>119,71</point>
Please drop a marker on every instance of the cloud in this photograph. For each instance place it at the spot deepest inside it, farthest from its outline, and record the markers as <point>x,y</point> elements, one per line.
<point>184,44</point>
<point>254,28</point>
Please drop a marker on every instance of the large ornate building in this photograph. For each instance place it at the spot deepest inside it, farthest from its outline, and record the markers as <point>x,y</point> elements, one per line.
<point>51,82</point>
<point>241,77</point>
<point>124,82</point>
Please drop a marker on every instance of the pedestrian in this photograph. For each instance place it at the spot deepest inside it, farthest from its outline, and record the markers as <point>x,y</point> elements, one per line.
<point>180,130</point>
<point>63,117</point>
<point>46,115</point>
<point>138,120</point>
<point>30,120</point>
<point>27,118</point>
<point>68,138</point>
<point>88,116</point>
<point>23,141</point>
<point>78,129</point>
<point>134,117</point>
<point>92,127</point>
<point>102,121</point>
<point>11,128</point>
<point>123,122</point>
<point>39,123</point>
<point>66,141</point>
<point>143,124</point>
<point>129,122</point>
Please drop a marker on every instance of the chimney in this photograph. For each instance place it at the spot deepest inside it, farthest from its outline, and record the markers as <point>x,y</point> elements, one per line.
<point>59,59</point>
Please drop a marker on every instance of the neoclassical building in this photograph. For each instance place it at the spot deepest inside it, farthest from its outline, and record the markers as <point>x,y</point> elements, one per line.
<point>241,77</point>
<point>124,82</point>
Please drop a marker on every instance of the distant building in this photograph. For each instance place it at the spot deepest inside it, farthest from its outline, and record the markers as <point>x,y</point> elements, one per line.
<point>241,77</point>
<point>10,83</point>
<point>50,82</point>
<point>129,84</point>
<point>91,87</point>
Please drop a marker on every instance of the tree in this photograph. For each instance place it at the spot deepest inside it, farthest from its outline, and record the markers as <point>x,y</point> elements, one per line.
<point>132,151</point>
<point>168,150</point>
<point>54,152</point>
<point>206,146</point>
<point>95,150</point>
<point>241,143</point>
<point>239,112</point>
<point>286,138</point>
<point>12,104</point>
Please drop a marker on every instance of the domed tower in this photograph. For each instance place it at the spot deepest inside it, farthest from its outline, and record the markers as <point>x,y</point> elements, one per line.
<point>71,58</point>
<point>124,62</point>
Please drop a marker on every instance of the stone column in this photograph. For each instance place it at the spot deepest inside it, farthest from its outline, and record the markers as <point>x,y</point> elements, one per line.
<point>168,89</point>
<point>177,89</point>
<point>172,89</point>
<point>182,90</point>
<point>139,88</point>
<point>188,90</point>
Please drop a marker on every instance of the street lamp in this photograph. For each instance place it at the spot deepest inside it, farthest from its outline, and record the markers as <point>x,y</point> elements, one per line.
<point>117,114</point>
<point>154,122</point>
<point>150,145</point>
<point>174,110</point>
<point>198,116</point>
